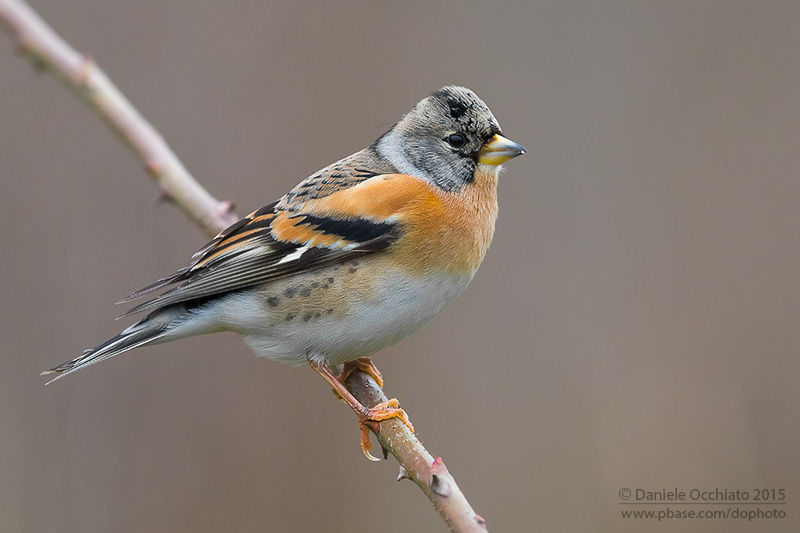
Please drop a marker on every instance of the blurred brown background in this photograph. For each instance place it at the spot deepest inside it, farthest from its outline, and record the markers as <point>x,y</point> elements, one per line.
<point>633,326</point>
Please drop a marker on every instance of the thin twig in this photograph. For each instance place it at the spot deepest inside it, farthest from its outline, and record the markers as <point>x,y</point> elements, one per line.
<point>416,464</point>
<point>49,52</point>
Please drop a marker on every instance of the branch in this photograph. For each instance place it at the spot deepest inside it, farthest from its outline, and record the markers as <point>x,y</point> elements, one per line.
<point>49,52</point>
<point>416,464</point>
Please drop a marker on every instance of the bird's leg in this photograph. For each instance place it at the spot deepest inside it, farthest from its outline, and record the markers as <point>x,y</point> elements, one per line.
<point>368,418</point>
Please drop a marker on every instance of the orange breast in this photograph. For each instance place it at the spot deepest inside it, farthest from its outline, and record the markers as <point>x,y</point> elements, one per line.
<point>443,231</point>
<point>448,231</point>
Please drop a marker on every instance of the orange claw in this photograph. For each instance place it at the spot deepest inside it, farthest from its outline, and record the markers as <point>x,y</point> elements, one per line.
<point>369,419</point>
<point>365,365</point>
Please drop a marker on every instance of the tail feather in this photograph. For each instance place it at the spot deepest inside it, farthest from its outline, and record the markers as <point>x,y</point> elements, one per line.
<point>143,332</point>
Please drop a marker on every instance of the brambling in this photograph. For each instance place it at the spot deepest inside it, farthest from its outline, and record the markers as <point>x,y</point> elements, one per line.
<point>352,260</point>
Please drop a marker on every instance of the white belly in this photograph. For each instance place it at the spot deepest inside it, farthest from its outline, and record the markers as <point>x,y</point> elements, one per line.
<point>395,307</point>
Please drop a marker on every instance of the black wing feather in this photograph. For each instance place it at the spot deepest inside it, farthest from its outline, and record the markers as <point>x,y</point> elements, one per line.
<point>231,262</point>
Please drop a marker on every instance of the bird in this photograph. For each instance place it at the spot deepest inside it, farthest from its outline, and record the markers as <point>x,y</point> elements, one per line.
<point>353,259</point>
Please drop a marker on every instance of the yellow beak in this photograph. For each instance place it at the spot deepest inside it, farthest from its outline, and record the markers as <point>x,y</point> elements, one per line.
<point>499,150</point>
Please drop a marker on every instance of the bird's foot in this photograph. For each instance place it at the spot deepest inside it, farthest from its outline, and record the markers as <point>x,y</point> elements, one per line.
<point>365,365</point>
<point>369,418</point>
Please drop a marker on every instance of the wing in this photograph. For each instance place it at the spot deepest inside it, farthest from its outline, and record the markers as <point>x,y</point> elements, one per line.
<point>296,234</point>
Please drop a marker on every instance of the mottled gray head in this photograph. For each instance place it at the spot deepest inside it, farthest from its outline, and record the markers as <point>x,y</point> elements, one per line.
<point>444,138</point>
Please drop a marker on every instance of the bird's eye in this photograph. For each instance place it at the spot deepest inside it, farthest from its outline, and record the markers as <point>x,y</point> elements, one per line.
<point>456,140</point>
